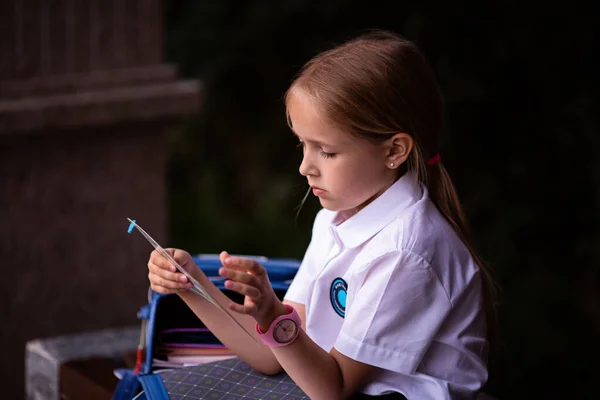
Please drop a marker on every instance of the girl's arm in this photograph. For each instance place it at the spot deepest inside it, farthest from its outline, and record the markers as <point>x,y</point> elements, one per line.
<point>320,374</point>
<point>164,280</point>
<point>257,355</point>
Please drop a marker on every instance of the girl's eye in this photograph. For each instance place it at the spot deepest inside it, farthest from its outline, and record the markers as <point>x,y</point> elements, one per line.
<point>322,153</point>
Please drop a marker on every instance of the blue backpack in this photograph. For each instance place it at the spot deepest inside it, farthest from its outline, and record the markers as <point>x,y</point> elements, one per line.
<point>164,312</point>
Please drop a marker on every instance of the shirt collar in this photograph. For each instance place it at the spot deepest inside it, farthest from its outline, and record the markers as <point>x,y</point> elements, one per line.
<point>380,212</point>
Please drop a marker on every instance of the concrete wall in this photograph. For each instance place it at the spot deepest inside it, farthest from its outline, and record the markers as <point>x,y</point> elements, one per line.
<point>85,101</point>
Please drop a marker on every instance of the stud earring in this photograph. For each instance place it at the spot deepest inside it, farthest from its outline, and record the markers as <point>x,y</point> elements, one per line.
<point>392,164</point>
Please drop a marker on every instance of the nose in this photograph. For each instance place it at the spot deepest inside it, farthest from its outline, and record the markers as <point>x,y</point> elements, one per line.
<point>307,167</point>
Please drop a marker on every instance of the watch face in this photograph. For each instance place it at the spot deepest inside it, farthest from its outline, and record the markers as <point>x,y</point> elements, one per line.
<point>284,331</point>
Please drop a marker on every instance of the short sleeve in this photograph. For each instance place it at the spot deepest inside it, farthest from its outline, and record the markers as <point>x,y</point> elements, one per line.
<point>301,285</point>
<point>393,316</point>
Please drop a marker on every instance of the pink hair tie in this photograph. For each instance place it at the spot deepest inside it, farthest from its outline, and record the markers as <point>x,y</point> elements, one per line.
<point>434,160</point>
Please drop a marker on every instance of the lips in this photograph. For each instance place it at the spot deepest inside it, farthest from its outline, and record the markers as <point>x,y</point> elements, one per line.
<point>317,191</point>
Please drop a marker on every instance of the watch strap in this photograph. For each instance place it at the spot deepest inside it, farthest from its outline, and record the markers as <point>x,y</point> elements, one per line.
<point>268,337</point>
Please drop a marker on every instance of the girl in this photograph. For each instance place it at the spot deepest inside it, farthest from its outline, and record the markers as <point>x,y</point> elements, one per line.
<point>389,299</point>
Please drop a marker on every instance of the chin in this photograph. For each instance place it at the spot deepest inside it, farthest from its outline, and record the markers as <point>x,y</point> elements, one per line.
<point>329,205</point>
<point>333,206</point>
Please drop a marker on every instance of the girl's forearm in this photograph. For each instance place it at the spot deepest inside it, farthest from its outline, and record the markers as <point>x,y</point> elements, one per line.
<point>313,369</point>
<point>257,355</point>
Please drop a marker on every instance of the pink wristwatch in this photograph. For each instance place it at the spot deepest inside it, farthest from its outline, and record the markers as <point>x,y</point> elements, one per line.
<point>283,330</point>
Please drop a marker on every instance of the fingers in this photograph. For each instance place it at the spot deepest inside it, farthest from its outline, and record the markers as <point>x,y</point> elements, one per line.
<point>162,275</point>
<point>164,286</point>
<point>241,282</point>
<point>243,289</point>
<point>243,308</point>
<point>181,257</point>
<point>159,260</point>
<point>239,276</point>
<point>243,264</point>
<point>166,275</point>
<point>223,256</point>
<point>248,278</point>
<point>244,277</point>
<point>174,281</point>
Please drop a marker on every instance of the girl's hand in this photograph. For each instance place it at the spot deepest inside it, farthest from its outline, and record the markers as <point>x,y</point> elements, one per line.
<point>249,278</point>
<point>164,277</point>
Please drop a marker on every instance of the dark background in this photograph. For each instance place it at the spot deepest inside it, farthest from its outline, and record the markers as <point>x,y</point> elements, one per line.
<point>102,118</point>
<point>521,145</point>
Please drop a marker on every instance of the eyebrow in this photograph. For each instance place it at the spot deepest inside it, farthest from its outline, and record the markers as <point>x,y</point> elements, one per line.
<point>313,141</point>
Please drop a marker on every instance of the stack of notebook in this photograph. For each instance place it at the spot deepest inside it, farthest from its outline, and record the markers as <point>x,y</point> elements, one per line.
<point>185,347</point>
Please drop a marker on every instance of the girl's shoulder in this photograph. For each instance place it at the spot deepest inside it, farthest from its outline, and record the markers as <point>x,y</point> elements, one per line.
<point>422,231</point>
<point>423,227</point>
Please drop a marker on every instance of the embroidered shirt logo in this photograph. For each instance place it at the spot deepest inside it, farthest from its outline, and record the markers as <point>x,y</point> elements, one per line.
<point>337,295</point>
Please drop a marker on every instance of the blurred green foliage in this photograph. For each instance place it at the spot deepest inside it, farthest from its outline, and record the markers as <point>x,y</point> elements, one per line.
<point>522,147</point>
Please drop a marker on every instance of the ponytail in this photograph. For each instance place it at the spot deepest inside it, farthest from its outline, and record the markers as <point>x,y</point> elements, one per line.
<point>444,196</point>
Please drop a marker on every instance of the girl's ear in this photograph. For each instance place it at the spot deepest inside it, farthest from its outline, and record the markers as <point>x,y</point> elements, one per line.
<point>399,148</point>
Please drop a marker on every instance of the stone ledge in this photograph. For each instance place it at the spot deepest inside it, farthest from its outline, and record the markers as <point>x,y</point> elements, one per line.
<point>150,102</point>
<point>43,357</point>
<point>72,83</point>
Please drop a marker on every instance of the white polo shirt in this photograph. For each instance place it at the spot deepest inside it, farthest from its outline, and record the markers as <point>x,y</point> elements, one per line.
<point>393,286</point>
